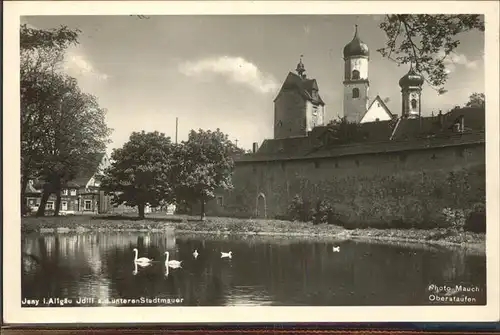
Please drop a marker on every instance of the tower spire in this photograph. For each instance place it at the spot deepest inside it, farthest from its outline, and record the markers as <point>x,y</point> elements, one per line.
<point>301,68</point>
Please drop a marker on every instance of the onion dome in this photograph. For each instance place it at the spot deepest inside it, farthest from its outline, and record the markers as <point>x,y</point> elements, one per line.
<point>301,68</point>
<point>356,47</point>
<point>412,78</point>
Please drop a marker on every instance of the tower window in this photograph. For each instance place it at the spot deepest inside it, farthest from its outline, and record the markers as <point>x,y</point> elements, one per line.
<point>315,94</point>
<point>413,103</point>
<point>355,93</point>
<point>355,74</point>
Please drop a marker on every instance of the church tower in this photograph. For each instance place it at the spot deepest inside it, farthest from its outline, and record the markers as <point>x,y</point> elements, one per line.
<point>356,84</point>
<point>411,93</point>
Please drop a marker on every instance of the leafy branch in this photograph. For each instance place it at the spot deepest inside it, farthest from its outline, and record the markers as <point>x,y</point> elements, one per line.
<point>425,37</point>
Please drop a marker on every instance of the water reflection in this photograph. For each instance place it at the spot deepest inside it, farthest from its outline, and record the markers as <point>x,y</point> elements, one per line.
<point>262,271</point>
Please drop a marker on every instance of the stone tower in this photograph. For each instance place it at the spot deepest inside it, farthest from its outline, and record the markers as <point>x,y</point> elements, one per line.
<point>298,107</point>
<point>411,92</point>
<point>356,84</point>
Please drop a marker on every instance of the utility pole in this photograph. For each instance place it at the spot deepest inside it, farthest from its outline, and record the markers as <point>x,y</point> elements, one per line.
<point>176,128</point>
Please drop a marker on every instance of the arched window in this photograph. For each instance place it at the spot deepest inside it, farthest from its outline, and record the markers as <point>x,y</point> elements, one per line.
<point>413,103</point>
<point>355,93</point>
<point>355,74</point>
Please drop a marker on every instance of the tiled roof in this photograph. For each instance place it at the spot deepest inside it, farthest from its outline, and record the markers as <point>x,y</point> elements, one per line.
<point>378,130</point>
<point>319,137</point>
<point>441,125</point>
<point>304,86</point>
<point>369,148</point>
<point>474,117</point>
<point>414,128</point>
<point>92,164</point>
<point>285,145</point>
<point>88,170</point>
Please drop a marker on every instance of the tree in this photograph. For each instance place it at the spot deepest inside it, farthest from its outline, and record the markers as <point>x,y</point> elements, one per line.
<point>476,100</point>
<point>141,171</point>
<point>61,126</point>
<point>426,41</point>
<point>76,131</point>
<point>41,53</point>
<point>342,131</point>
<point>206,164</point>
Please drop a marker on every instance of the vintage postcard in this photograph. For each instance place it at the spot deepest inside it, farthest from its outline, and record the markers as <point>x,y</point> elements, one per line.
<point>195,162</point>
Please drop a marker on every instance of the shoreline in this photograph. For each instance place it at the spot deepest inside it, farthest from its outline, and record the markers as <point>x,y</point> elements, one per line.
<point>249,227</point>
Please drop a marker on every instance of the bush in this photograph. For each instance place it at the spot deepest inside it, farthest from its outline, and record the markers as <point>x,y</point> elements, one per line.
<point>455,218</point>
<point>300,210</point>
<point>320,213</point>
<point>324,213</point>
<point>476,220</point>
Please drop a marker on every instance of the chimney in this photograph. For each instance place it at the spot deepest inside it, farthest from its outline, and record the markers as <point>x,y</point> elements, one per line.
<point>255,147</point>
<point>440,118</point>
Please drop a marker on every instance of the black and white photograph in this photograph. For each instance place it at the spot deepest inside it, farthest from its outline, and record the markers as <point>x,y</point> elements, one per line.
<point>162,159</point>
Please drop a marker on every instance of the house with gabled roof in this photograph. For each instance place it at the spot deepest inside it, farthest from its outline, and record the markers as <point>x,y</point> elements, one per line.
<point>82,195</point>
<point>377,111</point>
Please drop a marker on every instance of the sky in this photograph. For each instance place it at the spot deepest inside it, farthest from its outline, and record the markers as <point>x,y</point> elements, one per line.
<point>225,71</point>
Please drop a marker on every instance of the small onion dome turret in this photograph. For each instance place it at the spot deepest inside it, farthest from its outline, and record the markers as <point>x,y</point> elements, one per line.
<point>301,68</point>
<point>412,78</point>
<point>356,47</point>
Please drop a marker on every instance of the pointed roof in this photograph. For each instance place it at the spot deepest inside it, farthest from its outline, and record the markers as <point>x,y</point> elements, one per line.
<point>89,170</point>
<point>356,47</point>
<point>382,104</point>
<point>304,86</point>
<point>30,189</point>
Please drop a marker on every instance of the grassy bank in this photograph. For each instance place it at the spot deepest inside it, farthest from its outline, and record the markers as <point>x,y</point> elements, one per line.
<point>248,227</point>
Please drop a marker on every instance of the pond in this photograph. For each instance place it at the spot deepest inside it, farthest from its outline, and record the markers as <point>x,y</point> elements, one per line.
<point>98,269</point>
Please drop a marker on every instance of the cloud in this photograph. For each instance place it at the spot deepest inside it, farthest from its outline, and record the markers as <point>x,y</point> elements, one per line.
<point>234,69</point>
<point>76,64</point>
<point>453,59</point>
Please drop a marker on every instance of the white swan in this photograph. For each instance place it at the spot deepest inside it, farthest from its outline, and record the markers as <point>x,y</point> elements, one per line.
<point>226,254</point>
<point>336,249</point>
<point>143,261</point>
<point>195,254</point>
<point>173,263</point>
